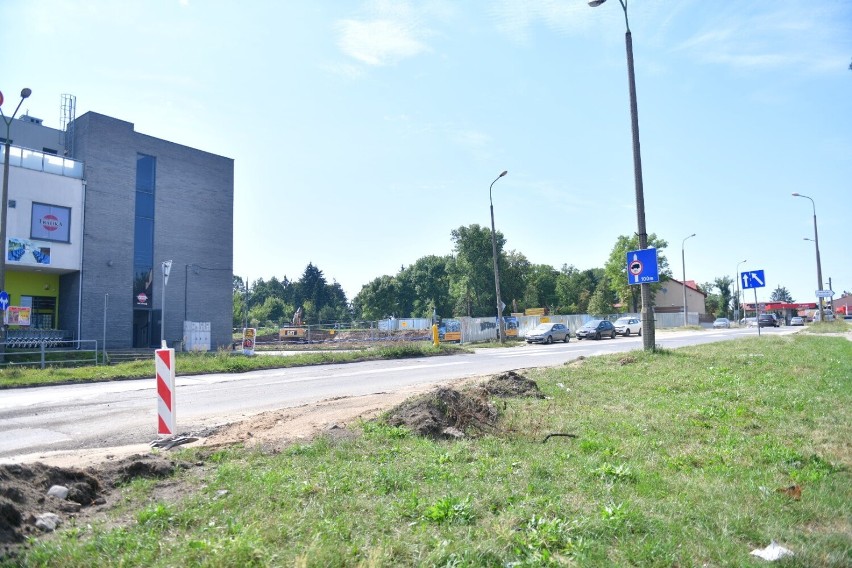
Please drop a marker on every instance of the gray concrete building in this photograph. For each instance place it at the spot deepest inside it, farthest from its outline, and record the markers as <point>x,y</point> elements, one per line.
<point>144,201</point>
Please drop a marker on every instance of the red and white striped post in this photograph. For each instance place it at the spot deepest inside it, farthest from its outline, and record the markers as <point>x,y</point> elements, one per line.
<point>164,360</point>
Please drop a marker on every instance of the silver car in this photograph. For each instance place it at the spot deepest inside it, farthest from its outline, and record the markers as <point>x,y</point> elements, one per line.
<point>627,325</point>
<point>548,333</point>
<point>721,322</point>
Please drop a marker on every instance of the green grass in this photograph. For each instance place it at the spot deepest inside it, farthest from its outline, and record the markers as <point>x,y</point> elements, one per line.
<point>677,461</point>
<point>216,362</point>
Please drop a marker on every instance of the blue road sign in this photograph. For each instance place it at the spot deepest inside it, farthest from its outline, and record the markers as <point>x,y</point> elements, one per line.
<point>752,279</point>
<point>4,300</point>
<point>642,266</point>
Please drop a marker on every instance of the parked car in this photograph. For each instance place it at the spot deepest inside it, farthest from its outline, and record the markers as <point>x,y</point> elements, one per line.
<point>797,320</point>
<point>748,322</point>
<point>767,320</point>
<point>721,322</point>
<point>596,329</point>
<point>627,325</point>
<point>548,333</point>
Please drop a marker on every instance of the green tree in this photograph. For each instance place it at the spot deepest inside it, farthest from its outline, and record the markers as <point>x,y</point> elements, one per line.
<point>713,302</point>
<point>616,270</point>
<point>379,299</point>
<point>574,288</point>
<point>781,294</point>
<point>723,285</point>
<point>430,283</point>
<point>603,299</point>
<point>540,289</point>
<point>472,273</point>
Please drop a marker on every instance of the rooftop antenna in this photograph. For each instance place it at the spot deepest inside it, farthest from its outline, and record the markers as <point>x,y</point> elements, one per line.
<point>68,113</point>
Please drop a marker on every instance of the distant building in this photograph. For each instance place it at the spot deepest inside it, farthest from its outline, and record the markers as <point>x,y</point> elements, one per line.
<point>669,298</point>
<point>93,212</point>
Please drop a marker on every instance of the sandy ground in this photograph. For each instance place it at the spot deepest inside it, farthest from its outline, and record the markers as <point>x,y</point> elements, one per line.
<point>270,430</point>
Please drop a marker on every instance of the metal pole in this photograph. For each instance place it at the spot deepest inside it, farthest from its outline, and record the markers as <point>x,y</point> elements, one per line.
<point>106,303</point>
<point>819,265</point>
<point>737,302</point>
<point>756,311</point>
<point>648,332</point>
<point>163,314</point>
<point>500,325</point>
<point>683,261</point>
<point>4,199</point>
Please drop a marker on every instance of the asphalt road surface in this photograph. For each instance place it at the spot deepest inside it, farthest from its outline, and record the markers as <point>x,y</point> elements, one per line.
<point>119,413</point>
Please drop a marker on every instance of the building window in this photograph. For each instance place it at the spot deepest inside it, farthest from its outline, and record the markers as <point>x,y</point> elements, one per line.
<point>143,233</point>
<point>50,223</point>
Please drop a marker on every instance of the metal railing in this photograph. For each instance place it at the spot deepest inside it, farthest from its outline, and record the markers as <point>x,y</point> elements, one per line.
<point>46,353</point>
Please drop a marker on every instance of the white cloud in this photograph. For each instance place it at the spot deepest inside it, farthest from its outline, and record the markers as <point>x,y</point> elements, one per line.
<point>379,42</point>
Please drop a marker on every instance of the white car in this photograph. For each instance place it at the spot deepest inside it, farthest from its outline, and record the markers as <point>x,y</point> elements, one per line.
<point>721,322</point>
<point>627,325</point>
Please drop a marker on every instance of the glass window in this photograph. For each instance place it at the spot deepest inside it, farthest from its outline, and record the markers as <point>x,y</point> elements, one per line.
<point>144,204</point>
<point>146,167</point>
<point>143,242</point>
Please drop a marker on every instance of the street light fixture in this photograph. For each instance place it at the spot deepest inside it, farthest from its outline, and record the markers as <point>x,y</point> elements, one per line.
<point>683,261</point>
<point>500,325</point>
<point>648,335</point>
<point>819,265</point>
<point>738,303</point>
<point>4,197</point>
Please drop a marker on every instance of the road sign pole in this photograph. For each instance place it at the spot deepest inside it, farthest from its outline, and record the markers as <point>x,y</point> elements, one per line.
<point>756,312</point>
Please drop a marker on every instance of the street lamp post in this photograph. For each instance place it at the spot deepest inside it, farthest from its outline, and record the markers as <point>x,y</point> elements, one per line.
<point>500,325</point>
<point>4,198</point>
<point>683,261</point>
<point>737,302</point>
<point>167,267</point>
<point>648,335</point>
<point>819,265</point>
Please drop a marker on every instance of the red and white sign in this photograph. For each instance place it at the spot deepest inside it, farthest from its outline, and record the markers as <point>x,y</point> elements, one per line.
<point>142,297</point>
<point>51,222</point>
<point>164,360</point>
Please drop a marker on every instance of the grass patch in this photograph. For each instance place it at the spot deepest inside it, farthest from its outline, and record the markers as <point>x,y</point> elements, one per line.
<point>214,362</point>
<point>678,462</point>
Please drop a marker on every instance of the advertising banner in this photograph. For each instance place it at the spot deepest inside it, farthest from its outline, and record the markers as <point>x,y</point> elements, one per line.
<point>17,315</point>
<point>27,252</point>
<point>249,334</point>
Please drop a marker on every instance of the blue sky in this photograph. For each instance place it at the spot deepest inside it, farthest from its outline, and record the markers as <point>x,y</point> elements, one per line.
<point>364,132</point>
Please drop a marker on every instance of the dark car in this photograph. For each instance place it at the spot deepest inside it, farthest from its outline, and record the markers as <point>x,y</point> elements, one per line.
<point>767,320</point>
<point>548,333</point>
<point>596,329</point>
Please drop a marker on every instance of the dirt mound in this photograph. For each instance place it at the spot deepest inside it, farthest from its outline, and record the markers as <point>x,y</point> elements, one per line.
<point>449,413</point>
<point>36,498</point>
<point>511,384</point>
<point>445,413</point>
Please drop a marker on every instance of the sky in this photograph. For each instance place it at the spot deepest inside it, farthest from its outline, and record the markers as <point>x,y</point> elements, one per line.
<point>364,132</point>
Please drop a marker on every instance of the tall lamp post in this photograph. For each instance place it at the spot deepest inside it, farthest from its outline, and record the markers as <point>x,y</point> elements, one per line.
<point>819,265</point>
<point>25,93</point>
<point>683,261</point>
<point>500,325</point>
<point>648,335</point>
<point>737,302</point>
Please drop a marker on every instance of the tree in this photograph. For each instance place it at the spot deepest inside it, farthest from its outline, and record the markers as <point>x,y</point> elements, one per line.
<point>723,284</point>
<point>430,282</point>
<point>616,269</point>
<point>603,299</point>
<point>574,288</point>
<point>379,299</point>
<point>781,294</point>
<point>472,274</point>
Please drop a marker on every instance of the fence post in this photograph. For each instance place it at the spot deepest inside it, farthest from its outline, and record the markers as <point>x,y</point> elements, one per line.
<point>42,353</point>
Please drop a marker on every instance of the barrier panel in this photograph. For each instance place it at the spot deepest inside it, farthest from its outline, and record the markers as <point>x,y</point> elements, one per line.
<point>164,360</point>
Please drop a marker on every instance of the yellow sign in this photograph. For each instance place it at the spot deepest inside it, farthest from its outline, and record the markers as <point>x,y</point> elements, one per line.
<point>545,319</point>
<point>535,311</point>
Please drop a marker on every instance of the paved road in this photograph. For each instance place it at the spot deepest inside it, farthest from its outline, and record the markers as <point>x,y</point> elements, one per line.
<point>118,413</point>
